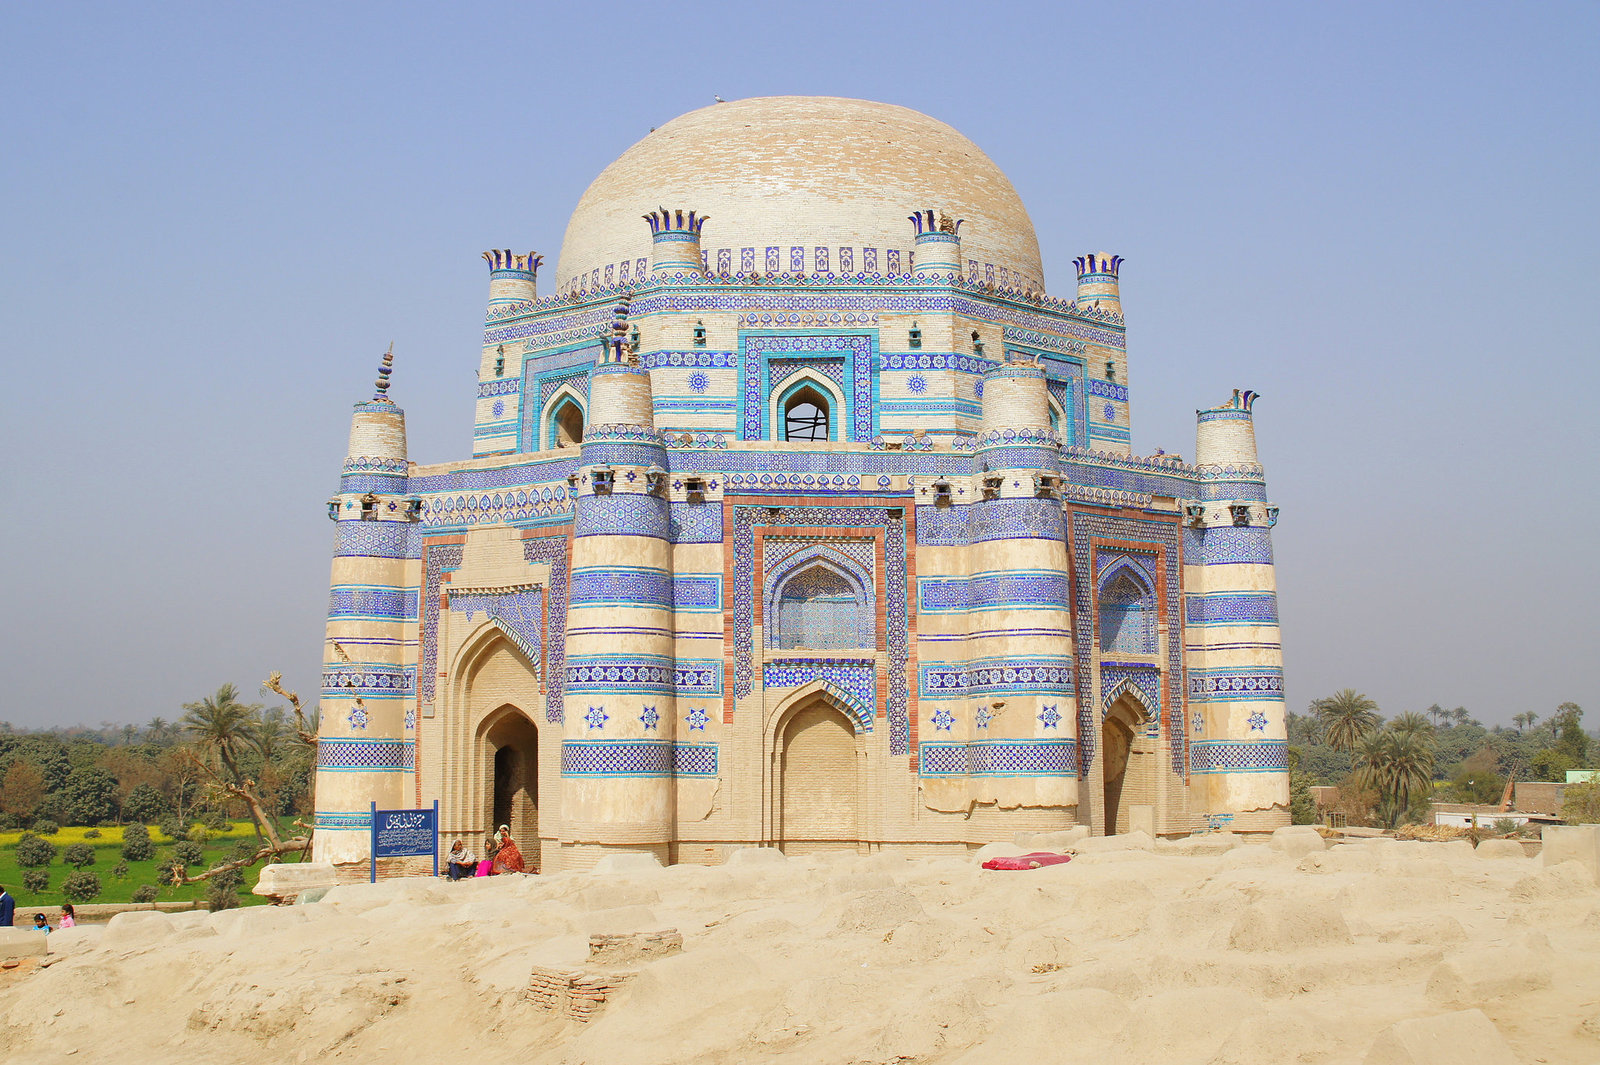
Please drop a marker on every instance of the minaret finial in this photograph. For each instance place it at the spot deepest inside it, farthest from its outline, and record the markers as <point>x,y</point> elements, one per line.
<point>382,394</point>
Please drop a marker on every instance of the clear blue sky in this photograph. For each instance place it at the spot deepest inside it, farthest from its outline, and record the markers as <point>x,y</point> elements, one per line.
<point>1383,217</point>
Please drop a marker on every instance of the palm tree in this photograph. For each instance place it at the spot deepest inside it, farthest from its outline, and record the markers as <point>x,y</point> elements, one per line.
<point>221,723</point>
<point>1519,720</point>
<point>1346,718</point>
<point>1410,767</point>
<point>1460,716</point>
<point>1411,722</point>
<point>157,730</point>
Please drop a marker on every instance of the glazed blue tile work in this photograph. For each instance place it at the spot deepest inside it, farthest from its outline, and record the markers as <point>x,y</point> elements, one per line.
<point>621,586</point>
<point>519,614</point>
<point>370,680</point>
<point>1157,538</point>
<point>1232,608</point>
<point>1233,685</point>
<point>1239,756</point>
<point>1042,675</point>
<point>371,602</point>
<point>854,681</point>
<point>377,539</point>
<point>999,758</point>
<point>366,756</point>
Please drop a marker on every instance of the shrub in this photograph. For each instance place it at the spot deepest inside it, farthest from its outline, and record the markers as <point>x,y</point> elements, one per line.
<point>45,827</point>
<point>197,833</point>
<point>171,827</point>
<point>36,880</point>
<point>81,887</point>
<point>9,822</point>
<point>217,821</point>
<point>120,870</point>
<point>145,893</point>
<point>93,833</point>
<point>33,852</point>
<point>222,891</point>
<point>1505,826</point>
<point>188,852</point>
<point>168,873</point>
<point>144,803</point>
<point>244,848</point>
<point>1580,803</point>
<point>78,854</point>
<point>136,845</point>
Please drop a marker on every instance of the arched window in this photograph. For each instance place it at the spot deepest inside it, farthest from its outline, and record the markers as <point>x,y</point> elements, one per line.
<point>1127,614</point>
<point>821,608</point>
<point>805,415</point>
<point>566,424</point>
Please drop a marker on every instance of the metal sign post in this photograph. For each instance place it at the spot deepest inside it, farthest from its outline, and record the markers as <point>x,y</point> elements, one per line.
<point>404,834</point>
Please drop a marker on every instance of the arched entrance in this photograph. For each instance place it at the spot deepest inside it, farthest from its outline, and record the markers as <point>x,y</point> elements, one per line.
<point>513,787</point>
<point>818,781</point>
<point>1130,767</point>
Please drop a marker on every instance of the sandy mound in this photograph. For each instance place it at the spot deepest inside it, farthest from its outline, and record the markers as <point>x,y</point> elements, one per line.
<point>1136,952</point>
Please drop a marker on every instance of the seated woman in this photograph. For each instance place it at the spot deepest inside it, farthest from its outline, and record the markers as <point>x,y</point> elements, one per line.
<point>508,859</point>
<point>460,861</point>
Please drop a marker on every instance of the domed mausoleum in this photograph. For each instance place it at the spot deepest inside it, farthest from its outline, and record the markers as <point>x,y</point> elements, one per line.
<point>800,515</point>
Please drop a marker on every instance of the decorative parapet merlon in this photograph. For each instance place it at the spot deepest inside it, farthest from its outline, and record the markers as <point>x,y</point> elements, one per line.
<point>941,227</point>
<point>506,262</point>
<point>679,225</point>
<point>1098,264</point>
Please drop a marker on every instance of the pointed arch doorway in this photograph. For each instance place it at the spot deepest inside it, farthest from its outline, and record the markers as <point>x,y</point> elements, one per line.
<point>513,785</point>
<point>819,781</point>
<point>1130,765</point>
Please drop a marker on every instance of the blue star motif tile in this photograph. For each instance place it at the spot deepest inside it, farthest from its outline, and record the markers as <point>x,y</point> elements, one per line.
<point>1258,722</point>
<point>1199,722</point>
<point>916,384</point>
<point>649,719</point>
<point>597,717</point>
<point>1049,716</point>
<point>697,719</point>
<point>1110,412</point>
<point>943,719</point>
<point>499,408</point>
<point>698,382</point>
<point>358,717</point>
<point>982,717</point>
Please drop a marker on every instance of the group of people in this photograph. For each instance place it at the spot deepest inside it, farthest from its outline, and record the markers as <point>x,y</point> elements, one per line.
<point>503,856</point>
<point>8,915</point>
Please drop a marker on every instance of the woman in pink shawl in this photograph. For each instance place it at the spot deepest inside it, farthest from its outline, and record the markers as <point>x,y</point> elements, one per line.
<point>507,859</point>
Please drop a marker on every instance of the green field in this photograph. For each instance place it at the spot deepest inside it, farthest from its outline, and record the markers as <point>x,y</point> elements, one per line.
<point>108,854</point>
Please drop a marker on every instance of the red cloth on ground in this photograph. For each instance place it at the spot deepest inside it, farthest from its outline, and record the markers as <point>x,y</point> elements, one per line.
<point>1028,861</point>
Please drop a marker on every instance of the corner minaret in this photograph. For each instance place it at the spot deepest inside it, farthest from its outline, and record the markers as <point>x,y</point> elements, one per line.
<point>675,241</point>
<point>1239,750</point>
<point>1097,281</point>
<point>366,746</point>
<point>938,244</point>
<point>1022,714</point>
<point>620,709</point>
<point>512,278</point>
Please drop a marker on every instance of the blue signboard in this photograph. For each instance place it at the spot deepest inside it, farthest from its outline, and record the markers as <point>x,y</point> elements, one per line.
<point>405,834</point>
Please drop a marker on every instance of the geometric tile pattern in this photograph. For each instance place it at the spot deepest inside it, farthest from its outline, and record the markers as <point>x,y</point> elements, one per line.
<point>1239,756</point>
<point>1158,540</point>
<point>897,622</point>
<point>552,550</point>
<point>852,680</point>
<point>1017,589</point>
<point>1048,675</point>
<point>372,601</point>
<point>616,758</point>
<point>376,539</point>
<point>697,593</point>
<point>694,760</point>
<point>1141,681</point>
<point>999,758</point>
<point>438,559</point>
<point>366,756</point>
<point>642,587</point>
<point>1235,685</point>
<point>1227,544</point>
<point>519,614</point>
<point>367,679</point>
<point>621,673</point>
<point>762,348</point>
<point>697,677</point>
<point>1232,608</point>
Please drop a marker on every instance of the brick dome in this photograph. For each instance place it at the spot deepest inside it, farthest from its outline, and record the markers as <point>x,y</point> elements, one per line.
<point>808,172</point>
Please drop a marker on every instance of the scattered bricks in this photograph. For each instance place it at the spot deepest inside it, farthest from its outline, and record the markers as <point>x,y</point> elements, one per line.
<point>634,946</point>
<point>573,993</point>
